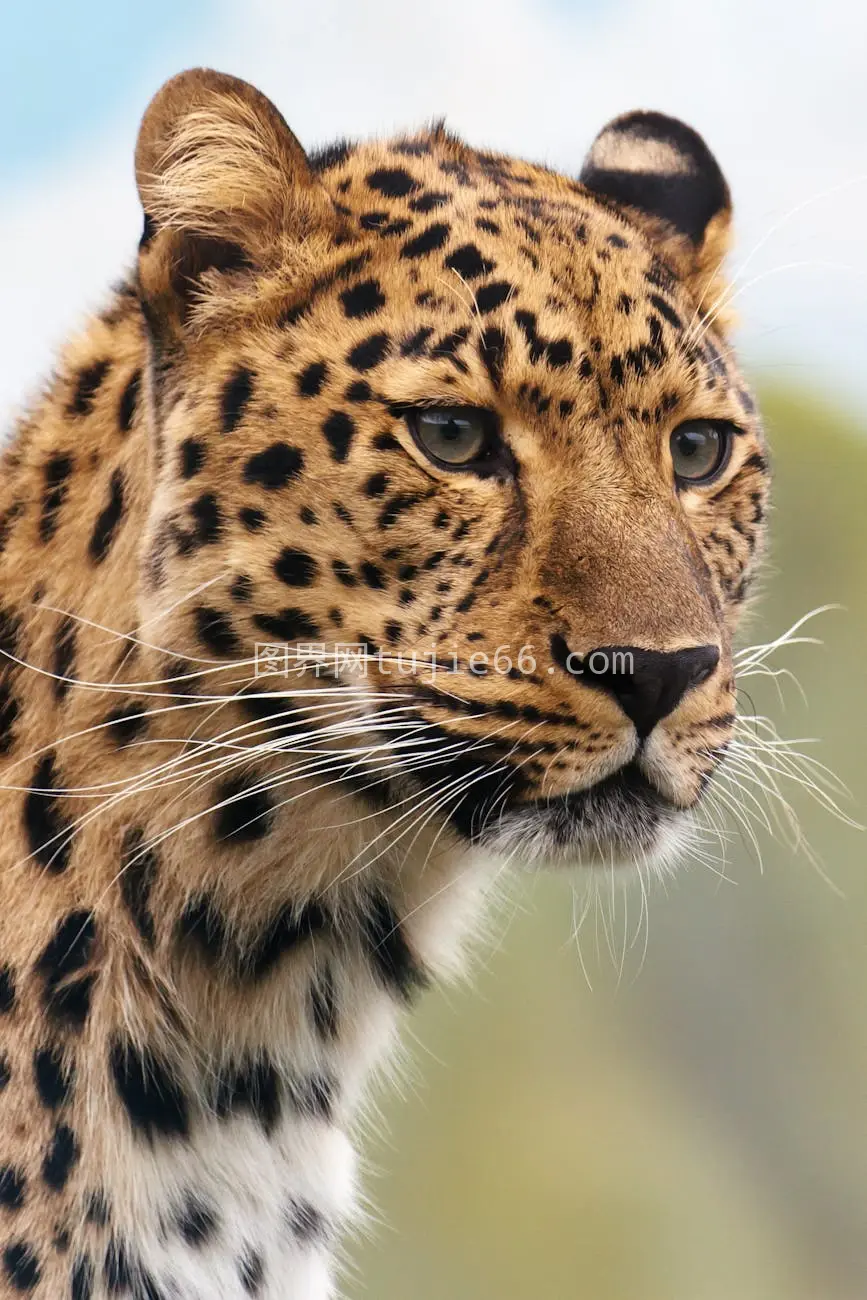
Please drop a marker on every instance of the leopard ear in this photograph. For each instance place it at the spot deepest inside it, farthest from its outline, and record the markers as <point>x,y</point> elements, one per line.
<point>664,171</point>
<point>225,187</point>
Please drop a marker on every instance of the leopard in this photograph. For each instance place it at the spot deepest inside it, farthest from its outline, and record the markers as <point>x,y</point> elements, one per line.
<point>389,526</point>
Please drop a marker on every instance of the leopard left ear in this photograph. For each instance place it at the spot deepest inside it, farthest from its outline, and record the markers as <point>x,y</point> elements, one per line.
<point>226,189</point>
<point>664,171</point>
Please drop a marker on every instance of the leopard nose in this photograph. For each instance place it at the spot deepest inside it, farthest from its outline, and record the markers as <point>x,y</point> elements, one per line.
<point>648,684</point>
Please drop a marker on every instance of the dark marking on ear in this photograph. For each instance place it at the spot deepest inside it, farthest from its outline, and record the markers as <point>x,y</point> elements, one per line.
<point>109,517</point>
<point>153,1098</point>
<point>660,166</point>
<point>236,393</point>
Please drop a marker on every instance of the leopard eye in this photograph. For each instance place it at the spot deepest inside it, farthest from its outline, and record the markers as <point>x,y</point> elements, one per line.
<point>457,437</point>
<point>700,450</point>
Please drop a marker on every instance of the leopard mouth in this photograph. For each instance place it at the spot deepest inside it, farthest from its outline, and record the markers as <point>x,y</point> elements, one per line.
<point>621,819</point>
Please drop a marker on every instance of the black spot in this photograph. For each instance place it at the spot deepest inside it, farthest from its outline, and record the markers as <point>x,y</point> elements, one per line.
<point>393,183</point>
<point>306,1222</point>
<point>67,952</point>
<point>48,832</point>
<point>339,429</point>
<point>22,1266</point>
<point>373,575</point>
<point>237,392</point>
<point>117,1268</point>
<point>307,515</point>
<point>5,1072</point>
<point>667,311</point>
<point>8,716</point>
<point>376,485</point>
<point>60,1158</point>
<point>313,1095</point>
<point>128,403</point>
<point>427,242</point>
<point>242,813</point>
<point>215,631</point>
<point>87,386</point>
<point>343,573</point>
<point>386,442</point>
<point>415,344</point>
<point>152,1097</point>
<point>108,519</point>
<point>53,1079</point>
<point>312,378</point>
<point>247,957</point>
<point>139,866</point>
<point>252,519</point>
<point>57,470</point>
<point>192,457</point>
<point>13,1187</point>
<point>98,1209</point>
<point>290,624</point>
<point>429,201</point>
<point>491,296</point>
<point>241,588</point>
<point>363,299</point>
<point>330,155</point>
<point>396,506</point>
<point>126,724</point>
<point>468,262</point>
<point>64,657</point>
<point>82,1278</point>
<point>197,1221</point>
<point>251,1271</point>
<point>372,220</point>
<point>392,959</point>
<point>369,352</point>
<point>253,1086</point>
<point>7,990</point>
<point>359,391</point>
<point>323,1003</point>
<point>559,352</point>
<point>492,351</point>
<point>295,568</point>
<point>393,632</point>
<point>274,467</point>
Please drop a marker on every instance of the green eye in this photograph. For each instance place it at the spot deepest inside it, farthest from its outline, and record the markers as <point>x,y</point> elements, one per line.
<point>699,450</point>
<point>458,437</point>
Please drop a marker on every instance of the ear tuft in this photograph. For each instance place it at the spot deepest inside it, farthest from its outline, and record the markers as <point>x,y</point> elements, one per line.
<point>661,167</point>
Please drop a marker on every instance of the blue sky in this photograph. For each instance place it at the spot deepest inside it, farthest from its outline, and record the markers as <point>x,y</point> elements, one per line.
<point>780,97</point>
<point>68,66</point>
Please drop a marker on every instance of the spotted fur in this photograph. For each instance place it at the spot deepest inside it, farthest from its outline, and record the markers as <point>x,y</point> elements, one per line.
<point>218,890</point>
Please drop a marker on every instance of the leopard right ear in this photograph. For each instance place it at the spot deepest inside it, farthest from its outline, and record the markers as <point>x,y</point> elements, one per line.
<point>225,187</point>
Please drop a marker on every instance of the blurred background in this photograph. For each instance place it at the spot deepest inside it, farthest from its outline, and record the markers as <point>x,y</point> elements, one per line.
<point>674,1105</point>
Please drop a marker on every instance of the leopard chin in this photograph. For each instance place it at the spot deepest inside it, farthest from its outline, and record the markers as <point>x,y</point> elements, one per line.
<point>621,821</point>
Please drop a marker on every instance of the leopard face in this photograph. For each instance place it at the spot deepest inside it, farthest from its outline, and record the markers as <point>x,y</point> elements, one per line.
<point>476,417</point>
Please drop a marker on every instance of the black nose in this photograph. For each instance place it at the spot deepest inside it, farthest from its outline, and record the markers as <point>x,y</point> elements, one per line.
<point>647,684</point>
